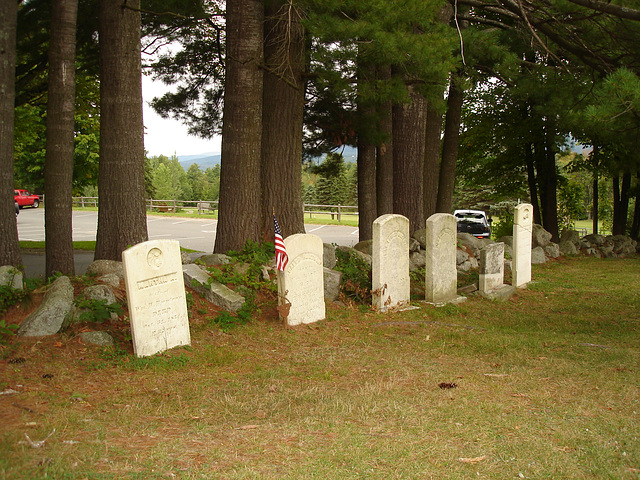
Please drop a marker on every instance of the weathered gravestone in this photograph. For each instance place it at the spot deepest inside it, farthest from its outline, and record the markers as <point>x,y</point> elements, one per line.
<point>390,270</point>
<point>491,281</point>
<point>491,267</point>
<point>441,276</point>
<point>301,283</point>
<point>521,252</point>
<point>156,296</point>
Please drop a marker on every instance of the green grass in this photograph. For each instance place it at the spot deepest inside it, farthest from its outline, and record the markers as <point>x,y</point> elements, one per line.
<point>548,387</point>
<point>83,245</point>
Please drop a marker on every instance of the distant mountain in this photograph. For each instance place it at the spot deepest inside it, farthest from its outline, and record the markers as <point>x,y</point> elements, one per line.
<point>208,160</point>
<point>204,160</point>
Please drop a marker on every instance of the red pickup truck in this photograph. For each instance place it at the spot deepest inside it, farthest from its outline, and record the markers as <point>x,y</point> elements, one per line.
<point>24,199</point>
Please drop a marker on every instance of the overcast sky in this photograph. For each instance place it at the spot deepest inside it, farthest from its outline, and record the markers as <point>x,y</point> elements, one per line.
<point>167,136</point>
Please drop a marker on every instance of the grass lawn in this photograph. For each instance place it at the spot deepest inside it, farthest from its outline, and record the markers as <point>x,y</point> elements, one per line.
<point>544,386</point>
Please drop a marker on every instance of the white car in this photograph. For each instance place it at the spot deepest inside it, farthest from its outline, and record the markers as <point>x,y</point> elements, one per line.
<point>474,222</point>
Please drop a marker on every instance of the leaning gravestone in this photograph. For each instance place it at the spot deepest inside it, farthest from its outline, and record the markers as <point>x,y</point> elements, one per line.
<point>156,296</point>
<point>390,270</point>
<point>521,253</point>
<point>441,276</point>
<point>301,283</point>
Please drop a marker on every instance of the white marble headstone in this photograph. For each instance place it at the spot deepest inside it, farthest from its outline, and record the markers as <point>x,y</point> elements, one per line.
<point>441,276</point>
<point>390,269</point>
<point>156,296</point>
<point>302,281</point>
<point>521,252</point>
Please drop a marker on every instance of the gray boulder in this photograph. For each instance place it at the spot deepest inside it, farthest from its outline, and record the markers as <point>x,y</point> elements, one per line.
<point>552,250</point>
<point>540,237</point>
<point>538,256</point>
<point>421,237</point>
<point>332,280</point>
<point>52,312</point>
<point>417,260</point>
<point>215,259</point>
<point>11,276</point>
<point>473,244</point>
<point>507,240</point>
<point>568,248</point>
<point>414,245</point>
<point>593,240</point>
<point>102,339</point>
<point>365,246</point>
<point>352,251</point>
<point>329,255</point>
<point>570,236</point>
<point>103,267</point>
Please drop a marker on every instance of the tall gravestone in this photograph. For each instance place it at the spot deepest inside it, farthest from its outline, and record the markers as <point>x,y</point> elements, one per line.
<point>441,276</point>
<point>390,263</point>
<point>522,232</point>
<point>301,283</point>
<point>156,296</point>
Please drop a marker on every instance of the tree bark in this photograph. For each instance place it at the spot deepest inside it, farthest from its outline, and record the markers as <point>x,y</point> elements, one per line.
<point>409,127</point>
<point>367,205</point>
<point>122,220</point>
<point>450,141</point>
<point>384,153</point>
<point>282,119</point>
<point>9,246</point>
<point>596,199</point>
<point>240,195</point>
<point>58,173</point>
<point>550,179</point>
<point>432,160</point>
<point>532,183</point>
<point>621,203</point>
<point>635,224</point>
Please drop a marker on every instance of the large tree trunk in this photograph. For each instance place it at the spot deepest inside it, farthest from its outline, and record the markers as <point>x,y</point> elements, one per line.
<point>550,179</point>
<point>9,246</point>
<point>282,117</point>
<point>366,164</point>
<point>122,220</point>
<point>450,143</point>
<point>58,172</point>
<point>409,127</point>
<point>384,152</point>
<point>635,224</point>
<point>596,198</point>
<point>620,203</point>
<point>240,196</point>
<point>367,205</point>
<point>532,183</point>
<point>432,160</point>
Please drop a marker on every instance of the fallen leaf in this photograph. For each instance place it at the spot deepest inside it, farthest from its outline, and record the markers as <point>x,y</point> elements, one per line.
<point>58,345</point>
<point>445,385</point>
<point>472,460</point>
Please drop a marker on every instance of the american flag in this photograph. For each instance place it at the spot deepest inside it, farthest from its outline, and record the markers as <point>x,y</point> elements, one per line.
<point>281,253</point>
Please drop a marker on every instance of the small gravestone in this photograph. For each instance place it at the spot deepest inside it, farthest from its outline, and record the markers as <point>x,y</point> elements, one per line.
<point>390,270</point>
<point>441,276</point>
<point>156,296</point>
<point>490,283</point>
<point>301,283</point>
<point>491,267</point>
<point>521,253</point>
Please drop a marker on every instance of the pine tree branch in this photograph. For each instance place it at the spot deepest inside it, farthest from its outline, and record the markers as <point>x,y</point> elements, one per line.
<point>605,7</point>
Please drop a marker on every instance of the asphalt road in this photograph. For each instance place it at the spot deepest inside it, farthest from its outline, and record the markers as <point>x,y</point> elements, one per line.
<point>193,233</point>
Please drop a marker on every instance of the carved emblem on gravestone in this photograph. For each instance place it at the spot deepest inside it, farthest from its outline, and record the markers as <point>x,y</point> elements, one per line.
<point>154,258</point>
